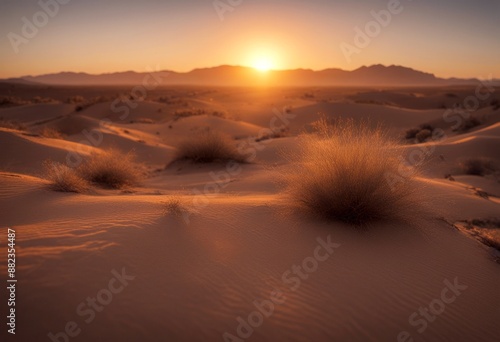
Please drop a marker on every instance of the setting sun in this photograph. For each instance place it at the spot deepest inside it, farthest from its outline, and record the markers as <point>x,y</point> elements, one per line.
<point>263,64</point>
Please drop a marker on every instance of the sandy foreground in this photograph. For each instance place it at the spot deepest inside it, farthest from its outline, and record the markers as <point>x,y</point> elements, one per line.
<point>109,265</point>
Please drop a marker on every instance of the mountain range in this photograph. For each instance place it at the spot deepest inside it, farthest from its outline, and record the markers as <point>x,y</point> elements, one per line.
<point>225,75</point>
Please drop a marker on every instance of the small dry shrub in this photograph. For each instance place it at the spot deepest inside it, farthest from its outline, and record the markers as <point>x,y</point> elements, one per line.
<point>423,135</point>
<point>75,99</point>
<point>412,133</point>
<point>52,133</point>
<point>469,124</point>
<point>209,147</point>
<point>478,166</point>
<point>282,133</point>
<point>174,205</point>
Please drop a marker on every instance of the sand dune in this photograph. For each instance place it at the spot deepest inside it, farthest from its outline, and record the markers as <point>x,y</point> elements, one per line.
<point>195,277</point>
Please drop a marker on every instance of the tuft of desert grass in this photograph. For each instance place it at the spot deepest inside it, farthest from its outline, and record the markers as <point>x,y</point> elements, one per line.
<point>64,178</point>
<point>423,135</point>
<point>52,133</point>
<point>478,166</point>
<point>174,205</point>
<point>12,125</point>
<point>209,147</point>
<point>469,124</point>
<point>341,174</point>
<point>111,169</point>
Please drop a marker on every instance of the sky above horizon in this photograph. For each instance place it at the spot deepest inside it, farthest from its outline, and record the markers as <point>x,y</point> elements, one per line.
<point>450,38</point>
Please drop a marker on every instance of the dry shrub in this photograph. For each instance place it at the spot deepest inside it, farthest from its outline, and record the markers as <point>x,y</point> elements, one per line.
<point>180,114</point>
<point>469,124</point>
<point>52,133</point>
<point>412,133</point>
<point>423,135</point>
<point>342,172</point>
<point>276,134</point>
<point>420,134</point>
<point>12,125</point>
<point>478,166</point>
<point>64,178</point>
<point>174,205</point>
<point>209,147</point>
<point>12,101</point>
<point>111,169</point>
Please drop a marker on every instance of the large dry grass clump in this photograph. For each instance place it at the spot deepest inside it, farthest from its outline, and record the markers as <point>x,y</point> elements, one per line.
<point>209,147</point>
<point>111,169</point>
<point>64,178</point>
<point>49,132</point>
<point>342,174</point>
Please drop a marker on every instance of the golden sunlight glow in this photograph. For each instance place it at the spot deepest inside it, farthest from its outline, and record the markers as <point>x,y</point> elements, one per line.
<point>263,64</point>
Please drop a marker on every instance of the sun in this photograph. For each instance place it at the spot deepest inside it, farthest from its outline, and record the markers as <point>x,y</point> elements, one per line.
<point>263,64</point>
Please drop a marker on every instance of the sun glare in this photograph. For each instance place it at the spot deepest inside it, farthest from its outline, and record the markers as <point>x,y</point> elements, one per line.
<point>263,64</point>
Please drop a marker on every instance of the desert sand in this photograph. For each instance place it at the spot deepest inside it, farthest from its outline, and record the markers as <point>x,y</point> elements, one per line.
<point>196,276</point>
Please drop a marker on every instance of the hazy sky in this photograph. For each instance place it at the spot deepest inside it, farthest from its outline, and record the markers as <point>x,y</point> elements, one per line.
<point>446,37</point>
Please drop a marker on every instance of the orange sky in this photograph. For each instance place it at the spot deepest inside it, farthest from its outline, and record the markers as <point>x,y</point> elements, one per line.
<point>448,38</point>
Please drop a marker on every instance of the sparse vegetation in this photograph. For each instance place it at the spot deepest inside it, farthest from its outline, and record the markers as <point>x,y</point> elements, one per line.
<point>111,169</point>
<point>174,205</point>
<point>423,135</point>
<point>374,102</point>
<point>172,100</point>
<point>64,178</point>
<point>143,121</point>
<point>282,133</point>
<point>75,99</point>
<point>86,103</point>
<point>412,133</point>
<point>209,147</point>
<point>12,125</point>
<point>49,132</point>
<point>420,134</point>
<point>478,166</point>
<point>341,174</point>
<point>484,230</point>
<point>197,112</point>
<point>6,101</point>
<point>469,124</point>
<point>39,99</point>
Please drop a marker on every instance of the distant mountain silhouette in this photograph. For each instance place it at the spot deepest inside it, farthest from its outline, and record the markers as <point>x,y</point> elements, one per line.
<point>225,75</point>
